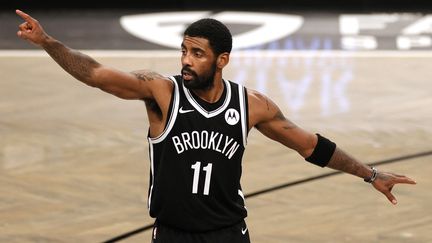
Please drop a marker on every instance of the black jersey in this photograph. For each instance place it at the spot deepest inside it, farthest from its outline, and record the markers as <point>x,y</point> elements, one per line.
<point>196,161</point>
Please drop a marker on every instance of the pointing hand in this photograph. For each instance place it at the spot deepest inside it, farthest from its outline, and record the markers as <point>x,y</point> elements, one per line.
<point>31,30</point>
<point>385,182</point>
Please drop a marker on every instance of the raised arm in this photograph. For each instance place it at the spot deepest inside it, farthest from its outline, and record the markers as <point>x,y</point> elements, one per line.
<point>266,116</point>
<point>135,85</point>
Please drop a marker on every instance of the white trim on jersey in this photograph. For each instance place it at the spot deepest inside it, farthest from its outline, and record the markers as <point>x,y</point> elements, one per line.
<point>162,136</point>
<point>151,172</point>
<point>241,194</point>
<point>243,109</point>
<point>173,116</point>
<point>204,112</point>
<point>243,197</point>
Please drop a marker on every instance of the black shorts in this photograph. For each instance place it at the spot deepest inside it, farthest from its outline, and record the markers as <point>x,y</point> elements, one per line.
<point>237,233</point>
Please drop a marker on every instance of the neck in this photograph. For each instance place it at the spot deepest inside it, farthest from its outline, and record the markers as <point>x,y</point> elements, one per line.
<point>212,94</point>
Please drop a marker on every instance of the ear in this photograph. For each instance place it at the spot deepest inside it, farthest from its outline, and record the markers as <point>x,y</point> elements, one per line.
<point>222,60</point>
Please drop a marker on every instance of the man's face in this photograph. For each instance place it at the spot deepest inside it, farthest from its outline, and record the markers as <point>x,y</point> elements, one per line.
<point>198,63</point>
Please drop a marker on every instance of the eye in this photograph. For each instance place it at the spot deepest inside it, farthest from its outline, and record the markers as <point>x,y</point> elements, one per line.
<point>183,51</point>
<point>198,54</point>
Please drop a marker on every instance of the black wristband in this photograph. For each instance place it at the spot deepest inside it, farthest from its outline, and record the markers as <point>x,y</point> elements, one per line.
<point>323,152</point>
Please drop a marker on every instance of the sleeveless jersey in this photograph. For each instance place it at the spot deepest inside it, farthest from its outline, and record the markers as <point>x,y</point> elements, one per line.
<point>196,162</point>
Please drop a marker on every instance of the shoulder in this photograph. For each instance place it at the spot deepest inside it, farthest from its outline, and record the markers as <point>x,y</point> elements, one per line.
<point>257,100</point>
<point>255,96</point>
<point>261,107</point>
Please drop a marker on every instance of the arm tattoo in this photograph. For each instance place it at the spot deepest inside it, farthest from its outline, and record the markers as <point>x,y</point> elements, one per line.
<point>75,63</point>
<point>279,116</point>
<point>287,123</point>
<point>289,126</point>
<point>343,162</point>
<point>146,75</point>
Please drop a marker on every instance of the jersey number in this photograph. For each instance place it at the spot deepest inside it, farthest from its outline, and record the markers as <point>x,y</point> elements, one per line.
<point>197,169</point>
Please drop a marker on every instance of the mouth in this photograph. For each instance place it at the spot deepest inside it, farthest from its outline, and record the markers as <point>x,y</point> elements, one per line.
<point>187,74</point>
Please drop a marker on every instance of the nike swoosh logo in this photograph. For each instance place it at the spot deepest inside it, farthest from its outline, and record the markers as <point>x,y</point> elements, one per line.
<point>184,111</point>
<point>244,230</point>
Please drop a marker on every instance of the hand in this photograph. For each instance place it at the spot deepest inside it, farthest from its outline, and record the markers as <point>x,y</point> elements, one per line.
<point>31,30</point>
<point>385,182</point>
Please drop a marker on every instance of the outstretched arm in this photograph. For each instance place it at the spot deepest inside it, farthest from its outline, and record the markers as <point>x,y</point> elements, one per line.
<point>137,85</point>
<point>266,116</point>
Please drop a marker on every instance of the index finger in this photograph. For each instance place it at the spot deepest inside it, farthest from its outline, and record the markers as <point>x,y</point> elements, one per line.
<point>405,180</point>
<point>25,16</point>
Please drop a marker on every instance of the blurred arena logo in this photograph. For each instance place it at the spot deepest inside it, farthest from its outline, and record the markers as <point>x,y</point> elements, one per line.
<point>254,30</point>
<point>362,31</point>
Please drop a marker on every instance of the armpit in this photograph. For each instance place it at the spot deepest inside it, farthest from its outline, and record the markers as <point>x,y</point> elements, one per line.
<point>153,106</point>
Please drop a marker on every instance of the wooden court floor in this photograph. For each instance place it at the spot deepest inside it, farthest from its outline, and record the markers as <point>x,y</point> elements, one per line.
<point>74,163</point>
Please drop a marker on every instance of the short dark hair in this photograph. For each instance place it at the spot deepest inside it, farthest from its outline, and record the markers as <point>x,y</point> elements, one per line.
<point>218,35</point>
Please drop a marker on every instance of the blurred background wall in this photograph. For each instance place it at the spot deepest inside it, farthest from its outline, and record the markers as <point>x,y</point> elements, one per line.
<point>329,5</point>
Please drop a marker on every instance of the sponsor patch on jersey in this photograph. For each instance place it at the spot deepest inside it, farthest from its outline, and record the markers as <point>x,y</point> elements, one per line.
<point>232,116</point>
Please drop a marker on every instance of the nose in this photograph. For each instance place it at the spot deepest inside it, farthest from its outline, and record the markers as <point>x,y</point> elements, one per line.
<point>186,60</point>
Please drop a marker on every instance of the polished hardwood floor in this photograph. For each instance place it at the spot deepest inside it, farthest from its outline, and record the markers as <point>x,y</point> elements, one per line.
<point>74,163</point>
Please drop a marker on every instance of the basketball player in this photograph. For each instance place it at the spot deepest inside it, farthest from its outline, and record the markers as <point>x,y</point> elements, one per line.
<point>198,130</point>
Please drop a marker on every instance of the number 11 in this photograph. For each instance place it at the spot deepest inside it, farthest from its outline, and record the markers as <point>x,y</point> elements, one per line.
<point>197,168</point>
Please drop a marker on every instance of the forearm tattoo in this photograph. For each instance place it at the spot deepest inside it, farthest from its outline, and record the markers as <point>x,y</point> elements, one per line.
<point>343,162</point>
<point>77,64</point>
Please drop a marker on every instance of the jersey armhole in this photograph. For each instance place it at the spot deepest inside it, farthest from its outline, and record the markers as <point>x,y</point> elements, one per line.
<point>172,113</point>
<point>244,114</point>
<point>170,108</point>
<point>246,109</point>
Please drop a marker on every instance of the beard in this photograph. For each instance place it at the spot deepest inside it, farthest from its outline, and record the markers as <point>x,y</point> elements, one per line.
<point>202,82</point>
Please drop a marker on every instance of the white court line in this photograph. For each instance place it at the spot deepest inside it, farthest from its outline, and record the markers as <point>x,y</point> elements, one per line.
<point>241,53</point>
